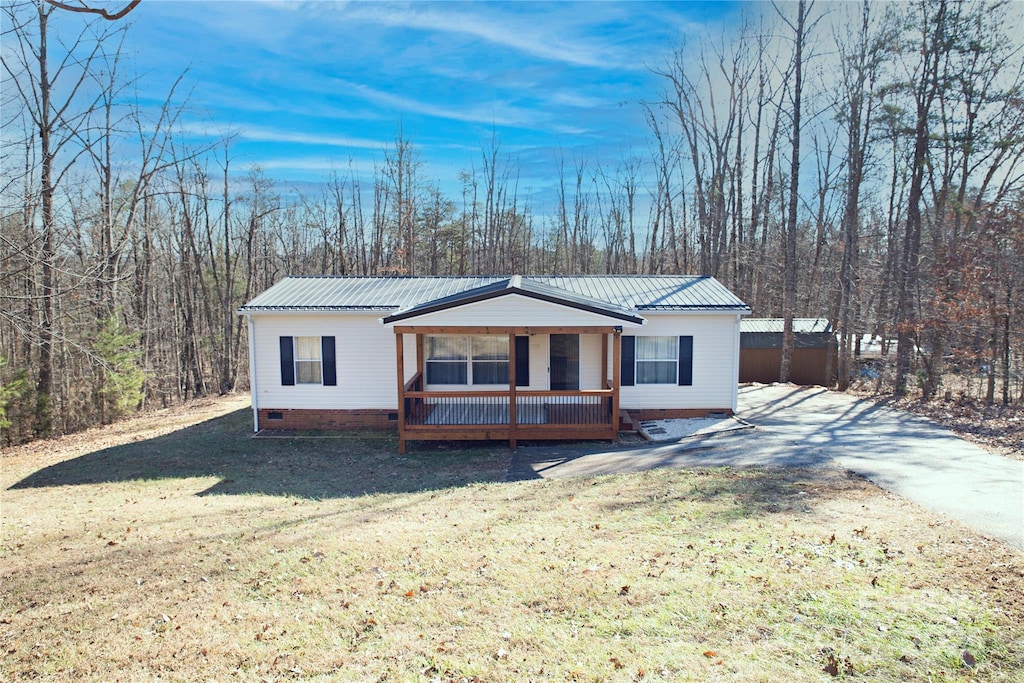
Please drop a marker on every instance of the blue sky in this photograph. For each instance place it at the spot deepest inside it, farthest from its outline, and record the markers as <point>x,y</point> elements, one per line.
<point>305,87</point>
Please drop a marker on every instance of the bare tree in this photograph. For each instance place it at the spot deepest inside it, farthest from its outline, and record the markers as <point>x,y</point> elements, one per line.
<point>86,8</point>
<point>59,125</point>
<point>860,58</point>
<point>790,240</point>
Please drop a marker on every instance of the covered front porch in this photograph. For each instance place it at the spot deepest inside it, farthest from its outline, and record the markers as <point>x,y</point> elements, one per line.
<point>438,402</point>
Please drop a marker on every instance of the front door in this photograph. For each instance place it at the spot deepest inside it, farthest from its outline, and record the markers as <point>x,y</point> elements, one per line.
<point>565,362</point>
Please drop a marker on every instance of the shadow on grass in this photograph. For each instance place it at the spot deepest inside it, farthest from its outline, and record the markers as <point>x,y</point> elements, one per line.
<point>348,466</point>
<point>732,494</point>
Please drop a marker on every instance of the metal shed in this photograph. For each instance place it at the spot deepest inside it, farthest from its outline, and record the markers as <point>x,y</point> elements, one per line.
<point>814,351</point>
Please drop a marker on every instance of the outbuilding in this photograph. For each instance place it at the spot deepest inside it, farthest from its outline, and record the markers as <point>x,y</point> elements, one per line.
<point>814,351</point>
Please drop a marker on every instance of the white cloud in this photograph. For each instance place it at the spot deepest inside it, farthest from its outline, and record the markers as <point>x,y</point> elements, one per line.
<point>545,39</point>
<point>320,139</point>
<point>491,113</point>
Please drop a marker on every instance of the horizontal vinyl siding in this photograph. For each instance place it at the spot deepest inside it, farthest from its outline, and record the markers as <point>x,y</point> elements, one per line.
<point>590,361</point>
<point>514,311</point>
<point>365,352</point>
<point>538,362</point>
<point>540,359</point>
<point>714,366</point>
<point>366,361</point>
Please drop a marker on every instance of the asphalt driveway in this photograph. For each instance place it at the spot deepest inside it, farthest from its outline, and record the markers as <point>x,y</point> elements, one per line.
<point>811,427</point>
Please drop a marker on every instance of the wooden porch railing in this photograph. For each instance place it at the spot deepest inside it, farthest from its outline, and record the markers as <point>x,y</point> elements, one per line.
<point>508,414</point>
<point>542,415</point>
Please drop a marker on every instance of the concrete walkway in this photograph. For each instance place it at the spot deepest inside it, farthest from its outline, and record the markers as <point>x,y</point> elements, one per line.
<point>811,427</point>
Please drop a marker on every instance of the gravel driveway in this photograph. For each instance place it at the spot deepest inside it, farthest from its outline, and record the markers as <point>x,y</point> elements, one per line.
<point>811,427</point>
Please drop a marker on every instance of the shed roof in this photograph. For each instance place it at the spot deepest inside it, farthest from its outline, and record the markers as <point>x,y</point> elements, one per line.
<point>774,325</point>
<point>629,293</point>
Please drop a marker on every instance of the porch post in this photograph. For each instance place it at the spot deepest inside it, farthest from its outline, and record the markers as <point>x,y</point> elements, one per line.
<point>616,380</point>
<point>420,357</point>
<point>400,364</point>
<point>512,389</point>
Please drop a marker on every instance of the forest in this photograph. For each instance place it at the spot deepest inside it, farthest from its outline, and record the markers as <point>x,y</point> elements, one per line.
<point>867,170</point>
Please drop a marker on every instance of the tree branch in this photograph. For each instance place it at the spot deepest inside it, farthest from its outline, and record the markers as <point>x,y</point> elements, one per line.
<point>95,10</point>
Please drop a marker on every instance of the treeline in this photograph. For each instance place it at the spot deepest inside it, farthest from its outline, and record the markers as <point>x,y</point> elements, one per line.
<point>866,168</point>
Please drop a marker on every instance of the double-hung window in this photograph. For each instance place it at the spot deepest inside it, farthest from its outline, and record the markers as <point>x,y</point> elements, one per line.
<point>308,361</point>
<point>446,360</point>
<point>657,360</point>
<point>467,360</point>
<point>490,360</point>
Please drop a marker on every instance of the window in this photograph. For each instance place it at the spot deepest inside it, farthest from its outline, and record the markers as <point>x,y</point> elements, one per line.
<point>657,360</point>
<point>446,360</point>
<point>654,360</point>
<point>490,360</point>
<point>467,360</point>
<point>308,363</point>
<point>308,360</point>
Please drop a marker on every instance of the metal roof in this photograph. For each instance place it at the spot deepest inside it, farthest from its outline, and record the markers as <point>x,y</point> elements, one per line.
<point>628,292</point>
<point>774,325</point>
<point>524,286</point>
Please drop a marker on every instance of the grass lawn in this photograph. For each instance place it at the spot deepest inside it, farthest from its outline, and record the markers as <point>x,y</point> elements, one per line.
<point>156,549</point>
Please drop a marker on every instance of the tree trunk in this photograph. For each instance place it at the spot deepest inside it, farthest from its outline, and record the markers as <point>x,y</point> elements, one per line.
<point>789,259</point>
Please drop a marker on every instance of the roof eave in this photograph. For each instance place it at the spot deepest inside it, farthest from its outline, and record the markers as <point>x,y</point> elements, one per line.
<point>416,312</point>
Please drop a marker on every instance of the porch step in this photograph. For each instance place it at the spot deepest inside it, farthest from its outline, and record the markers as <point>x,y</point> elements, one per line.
<point>626,422</point>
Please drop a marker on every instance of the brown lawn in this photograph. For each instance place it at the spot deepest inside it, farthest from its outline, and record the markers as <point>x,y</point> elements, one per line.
<point>175,546</point>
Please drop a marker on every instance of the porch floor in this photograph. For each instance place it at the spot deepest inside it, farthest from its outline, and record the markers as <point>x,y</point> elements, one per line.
<point>460,413</point>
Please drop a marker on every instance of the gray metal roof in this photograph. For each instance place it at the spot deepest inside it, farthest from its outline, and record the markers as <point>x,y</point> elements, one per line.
<point>386,294</point>
<point>774,325</point>
<point>524,286</point>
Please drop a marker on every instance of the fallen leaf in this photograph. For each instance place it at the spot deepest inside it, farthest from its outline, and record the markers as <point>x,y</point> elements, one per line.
<point>616,663</point>
<point>409,593</point>
<point>710,653</point>
<point>968,658</point>
<point>624,590</point>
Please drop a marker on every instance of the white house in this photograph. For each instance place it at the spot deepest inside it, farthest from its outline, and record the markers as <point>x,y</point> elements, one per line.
<point>510,358</point>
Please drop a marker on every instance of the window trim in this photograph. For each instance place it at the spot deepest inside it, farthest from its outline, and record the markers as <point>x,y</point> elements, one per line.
<point>674,360</point>
<point>469,361</point>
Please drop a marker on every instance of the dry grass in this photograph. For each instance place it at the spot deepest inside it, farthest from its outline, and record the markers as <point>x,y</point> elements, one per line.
<point>205,554</point>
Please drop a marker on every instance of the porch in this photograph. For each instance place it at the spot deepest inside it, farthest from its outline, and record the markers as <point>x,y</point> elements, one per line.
<point>563,411</point>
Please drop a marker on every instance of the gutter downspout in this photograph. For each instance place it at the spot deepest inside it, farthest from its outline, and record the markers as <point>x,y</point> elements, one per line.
<point>736,364</point>
<point>252,373</point>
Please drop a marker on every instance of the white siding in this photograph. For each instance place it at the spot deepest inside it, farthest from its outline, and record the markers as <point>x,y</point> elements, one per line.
<point>540,357</point>
<point>365,351</point>
<point>715,370</point>
<point>590,361</point>
<point>514,310</point>
<point>366,358</point>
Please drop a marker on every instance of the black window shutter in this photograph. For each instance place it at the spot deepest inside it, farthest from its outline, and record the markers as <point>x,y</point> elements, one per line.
<point>329,362</point>
<point>522,361</point>
<point>287,362</point>
<point>627,375</point>
<point>686,361</point>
